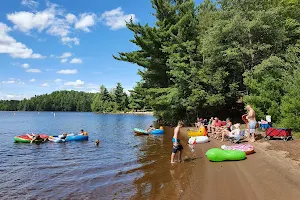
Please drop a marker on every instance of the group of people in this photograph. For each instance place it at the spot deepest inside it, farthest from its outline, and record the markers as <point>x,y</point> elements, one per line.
<point>38,138</point>
<point>217,128</point>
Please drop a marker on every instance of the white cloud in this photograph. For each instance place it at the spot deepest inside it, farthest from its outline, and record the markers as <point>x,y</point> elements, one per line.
<point>57,80</point>
<point>77,83</point>
<point>64,60</point>
<point>85,21</point>
<point>15,49</point>
<point>21,83</point>
<point>66,55</point>
<point>76,61</point>
<point>11,96</point>
<point>53,20</point>
<point>32,80</point>
<point>45,85</point>
<point>59,28</point>
<point>71,18</point>
<point>67,71</point>
<point>30,3</point>
<point>26,21</point>
<point>9,82</point>
<point>93,91</point>
<point>116,19</point>
<point>33,70</point>
<point>25,65</point>
<point>68,40</point>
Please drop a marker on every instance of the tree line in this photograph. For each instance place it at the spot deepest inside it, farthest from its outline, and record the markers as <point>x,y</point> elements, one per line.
<point>102,102</point>
<point>202,60</point>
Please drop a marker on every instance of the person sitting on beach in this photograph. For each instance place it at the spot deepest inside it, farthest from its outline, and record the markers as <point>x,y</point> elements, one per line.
<point>227,128</point>
<point>209,126</point>
<point>232,133</point>
<point>217,128</point>
<point>151,128</point>
<point>198,123</point>
<point>82,132</point>
<point>176,142</point>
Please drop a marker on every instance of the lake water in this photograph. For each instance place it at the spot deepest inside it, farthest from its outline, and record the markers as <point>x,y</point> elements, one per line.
<point>124,166</point>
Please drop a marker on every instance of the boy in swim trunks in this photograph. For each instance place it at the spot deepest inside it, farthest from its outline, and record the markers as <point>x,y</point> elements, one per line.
<point>176,142</point>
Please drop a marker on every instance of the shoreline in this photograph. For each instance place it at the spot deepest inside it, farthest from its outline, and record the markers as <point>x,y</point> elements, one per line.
<point>235,180</point>
<point>116,113</point>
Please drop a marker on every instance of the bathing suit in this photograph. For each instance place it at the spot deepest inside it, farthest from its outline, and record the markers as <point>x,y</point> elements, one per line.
<point>179,147</point>
<point>252,126</point>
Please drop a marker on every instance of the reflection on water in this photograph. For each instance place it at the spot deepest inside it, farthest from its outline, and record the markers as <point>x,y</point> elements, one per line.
<point>122,167</point>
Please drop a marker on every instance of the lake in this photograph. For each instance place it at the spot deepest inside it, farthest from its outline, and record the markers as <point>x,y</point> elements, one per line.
<point>124,166</point>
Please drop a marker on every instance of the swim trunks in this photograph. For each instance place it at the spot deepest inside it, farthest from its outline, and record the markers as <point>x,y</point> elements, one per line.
<point>252,126</point>
<point>178,147</point>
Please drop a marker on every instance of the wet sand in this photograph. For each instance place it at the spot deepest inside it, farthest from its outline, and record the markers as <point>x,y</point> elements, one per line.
<point>266,174</point>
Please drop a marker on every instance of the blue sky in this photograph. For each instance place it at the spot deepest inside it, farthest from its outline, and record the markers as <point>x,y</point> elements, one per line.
<point>61,44</point>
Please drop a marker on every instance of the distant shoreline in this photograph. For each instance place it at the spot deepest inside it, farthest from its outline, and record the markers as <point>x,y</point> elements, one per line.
<point>132,113</point>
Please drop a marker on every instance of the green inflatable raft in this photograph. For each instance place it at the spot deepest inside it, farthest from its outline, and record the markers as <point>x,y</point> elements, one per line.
<point>218,155</point>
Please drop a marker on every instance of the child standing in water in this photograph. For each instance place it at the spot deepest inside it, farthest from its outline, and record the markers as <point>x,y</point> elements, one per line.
<point>176,142</point>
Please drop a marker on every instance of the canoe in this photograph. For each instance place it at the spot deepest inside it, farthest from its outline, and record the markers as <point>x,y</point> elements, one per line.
<point>198,140</point>
<point>26,139</point>
<point>140,131</point>
<point>56,139</point>
<point>247,148</point>
<point>218,155</point>
<point>201,132</point>
<point>157,132</point>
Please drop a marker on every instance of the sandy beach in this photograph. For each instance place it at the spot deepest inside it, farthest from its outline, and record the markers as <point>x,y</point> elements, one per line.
<point>270,173</point>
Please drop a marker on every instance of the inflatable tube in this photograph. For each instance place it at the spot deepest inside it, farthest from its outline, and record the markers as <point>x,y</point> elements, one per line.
<point>56,139</point>
<point>247,148</point>
<point>26,139</point>
<point>157,132</point>
<point>218,155</point>
<point>198,140</point>
<point>201,132</point>
<point>140,131</point>
<point>73,137</point>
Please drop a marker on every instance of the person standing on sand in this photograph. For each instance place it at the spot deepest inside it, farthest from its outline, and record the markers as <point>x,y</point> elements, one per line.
<point>251,121</point>
<point>176,142</point>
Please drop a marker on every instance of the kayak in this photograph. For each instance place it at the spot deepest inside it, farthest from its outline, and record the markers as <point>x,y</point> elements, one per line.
<point>26,139</point>
<point>218,155</point>
<point>198,140</point>
<point>201,132</point>
<point>157,132</point>
<point>140,131</point>
<point>56,139</point>
<point>247,148</point>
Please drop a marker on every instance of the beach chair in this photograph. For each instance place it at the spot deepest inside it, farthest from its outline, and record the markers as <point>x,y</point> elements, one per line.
<point>237,139</point>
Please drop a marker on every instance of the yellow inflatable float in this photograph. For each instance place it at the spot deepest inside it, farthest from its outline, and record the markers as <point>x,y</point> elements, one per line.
<point>201,132</point>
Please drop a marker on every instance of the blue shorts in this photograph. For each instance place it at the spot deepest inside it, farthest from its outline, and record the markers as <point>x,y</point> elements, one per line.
<point>252,126</point>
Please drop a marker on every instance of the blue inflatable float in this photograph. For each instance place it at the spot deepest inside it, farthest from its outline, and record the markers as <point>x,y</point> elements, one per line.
<point>157,132</point>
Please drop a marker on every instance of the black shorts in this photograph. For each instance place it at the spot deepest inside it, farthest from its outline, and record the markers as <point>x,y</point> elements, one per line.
<point>177,148</point>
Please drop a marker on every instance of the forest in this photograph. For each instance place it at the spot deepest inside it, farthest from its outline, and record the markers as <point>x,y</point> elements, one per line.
<point>102,102</point>
<point>214,58</point>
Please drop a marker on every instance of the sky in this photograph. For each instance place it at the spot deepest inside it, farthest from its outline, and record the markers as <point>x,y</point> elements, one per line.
<point>51,45</point>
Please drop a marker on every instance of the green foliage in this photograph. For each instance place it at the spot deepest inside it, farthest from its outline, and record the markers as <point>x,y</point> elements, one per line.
<point>199,60</point>
<point>115,101</point>
<point>56,101</point>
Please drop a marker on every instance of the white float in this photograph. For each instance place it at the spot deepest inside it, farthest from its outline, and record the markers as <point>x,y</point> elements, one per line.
<point>198,140</point>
